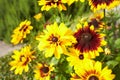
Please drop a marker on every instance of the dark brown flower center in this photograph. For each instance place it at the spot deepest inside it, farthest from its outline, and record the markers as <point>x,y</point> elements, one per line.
<point>45,69</point>
<point>54,39</point>
<point>93,78</point>
<point>24,28</point>
<point>86,37</point>
<point>21,57</point>
<point>81,56</point>
<point>50,2</point>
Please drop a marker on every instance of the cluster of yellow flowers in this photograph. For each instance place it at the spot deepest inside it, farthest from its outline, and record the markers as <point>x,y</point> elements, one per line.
<point>60,4</point>
<point>80,46</point>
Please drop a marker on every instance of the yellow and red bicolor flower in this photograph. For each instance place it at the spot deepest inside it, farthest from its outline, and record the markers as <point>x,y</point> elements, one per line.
<point>88,40</point>
<point>103,4</point>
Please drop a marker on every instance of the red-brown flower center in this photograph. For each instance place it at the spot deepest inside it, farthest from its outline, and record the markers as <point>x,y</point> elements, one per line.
<point>93,78</point>
<point>86,37</point>
<point>81,56</point>
<point>54,39</point>
<point>45,69</point>
<point>50,2</point>
<point>24,28</point>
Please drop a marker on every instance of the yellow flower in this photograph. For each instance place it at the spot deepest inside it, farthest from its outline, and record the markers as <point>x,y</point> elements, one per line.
<point>94,71</point>
<point>103,4</point>
<point>48,4</point>
<point>75,57</point>
<point>21,59</point>
<point>88,40</point>
<point>20,32</point>
<point>55,40</point>
<point>43,71</point>
<point>38,16</point>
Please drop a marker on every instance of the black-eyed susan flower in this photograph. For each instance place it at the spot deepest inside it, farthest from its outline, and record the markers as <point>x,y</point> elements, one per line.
<point>55,39</point>
<point>21,59</point>
<point>48,4</point>
<point>69,2</point>
<point>75,57</point>
<point>103,4</point>
<point>88,40</point>
<point>94,71</point>
<point>96,21</point>
<point>43,71</point>
<point>21,31</point>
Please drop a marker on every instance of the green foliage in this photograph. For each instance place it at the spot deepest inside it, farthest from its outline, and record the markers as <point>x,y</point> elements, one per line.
<point>12,12</point>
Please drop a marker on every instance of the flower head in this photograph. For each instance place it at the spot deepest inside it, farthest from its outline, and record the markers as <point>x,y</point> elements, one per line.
<point>96,21</point>
<point>94,71</point>
<point>21,60</point>
<point>75,57</point>
<point>55,39</point>
<point>89,41</point>
<point>103,4</point>
<point>48,4</point>
<point>43,71</point>
<point>21,31</point>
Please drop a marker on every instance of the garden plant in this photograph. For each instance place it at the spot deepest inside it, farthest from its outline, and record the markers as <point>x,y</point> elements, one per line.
<point>61,39</point>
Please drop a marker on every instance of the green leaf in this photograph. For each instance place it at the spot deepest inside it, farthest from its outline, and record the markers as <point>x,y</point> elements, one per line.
<point>117,43</point>
<point>111,64</point>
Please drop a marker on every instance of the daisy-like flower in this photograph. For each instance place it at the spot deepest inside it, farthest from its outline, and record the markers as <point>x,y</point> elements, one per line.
<point>103,4</point>
<point>94,71</point>
<point>75,57</point>
<point>55,39</point>
<point>48,4</point>
<point>88,40</point>
<point>21,59</point>
<point>69,2</point>
<point>21,31</point>
<point>43,71</point>
<point>96,21</point>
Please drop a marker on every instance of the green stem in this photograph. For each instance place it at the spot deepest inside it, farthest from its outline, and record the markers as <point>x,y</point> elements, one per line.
<point>103,58</point>
<point>104,13</point>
